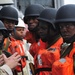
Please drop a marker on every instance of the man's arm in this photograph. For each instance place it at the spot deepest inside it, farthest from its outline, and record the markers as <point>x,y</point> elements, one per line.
<point>6,69</point>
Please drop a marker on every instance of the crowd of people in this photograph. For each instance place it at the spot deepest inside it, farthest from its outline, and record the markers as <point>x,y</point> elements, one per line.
<point>47,47</point>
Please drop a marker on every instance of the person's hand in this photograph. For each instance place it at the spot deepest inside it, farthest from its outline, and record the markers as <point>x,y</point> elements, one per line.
<point>13,60</point>
<point>1,60</point>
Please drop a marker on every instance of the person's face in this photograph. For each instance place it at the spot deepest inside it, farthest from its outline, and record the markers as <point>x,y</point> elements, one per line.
<point>9,24</point>
<point>19,33</point>
<point>32,22</point>
<point>43,30</point>
<point>67,30</point>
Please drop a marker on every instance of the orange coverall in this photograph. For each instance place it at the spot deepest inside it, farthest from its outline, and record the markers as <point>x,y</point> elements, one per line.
<point>46,57</point>
<point>34,48</point>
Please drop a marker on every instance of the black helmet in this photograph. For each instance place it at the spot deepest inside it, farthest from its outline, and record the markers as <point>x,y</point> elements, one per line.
<point>3,29</point>
<point>9,13</point>
<point>33,10</point>
<point>66,13</point>
<point>48,15</point>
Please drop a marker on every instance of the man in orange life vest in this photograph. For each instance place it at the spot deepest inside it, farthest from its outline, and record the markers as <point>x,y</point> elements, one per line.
<point>48,33</point>
<point>65,23</point>
<point>9,20</point>
<point>18,44</point>
<point>32,12</point>
<point>6,64</point>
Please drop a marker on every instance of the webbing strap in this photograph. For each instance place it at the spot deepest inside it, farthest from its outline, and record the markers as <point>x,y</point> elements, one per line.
<point>42,69</point>
<point>67,51</point>
<point>24,57</point>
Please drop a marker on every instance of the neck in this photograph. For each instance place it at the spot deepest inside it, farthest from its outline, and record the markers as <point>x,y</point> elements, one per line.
<point>53,40</point>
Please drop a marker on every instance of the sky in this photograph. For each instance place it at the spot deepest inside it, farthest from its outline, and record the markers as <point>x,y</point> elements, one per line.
<point>69,1</point>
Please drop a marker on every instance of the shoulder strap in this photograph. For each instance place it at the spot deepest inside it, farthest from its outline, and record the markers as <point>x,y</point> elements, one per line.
<point>67,51</point>
<point>6,44</point>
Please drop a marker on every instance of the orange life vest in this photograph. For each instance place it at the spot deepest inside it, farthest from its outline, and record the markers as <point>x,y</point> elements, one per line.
<point>63,68</point>
<point>66,68</point>
<point>46,57</point>
<point>35,47</point>
<point>17,46</point>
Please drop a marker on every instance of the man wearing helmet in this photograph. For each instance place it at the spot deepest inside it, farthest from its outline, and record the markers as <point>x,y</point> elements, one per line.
<point>65,23</point>
<point>48,34</point>
<point>7,63</point>
<point>9,17</point>
<point>32,12</point>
